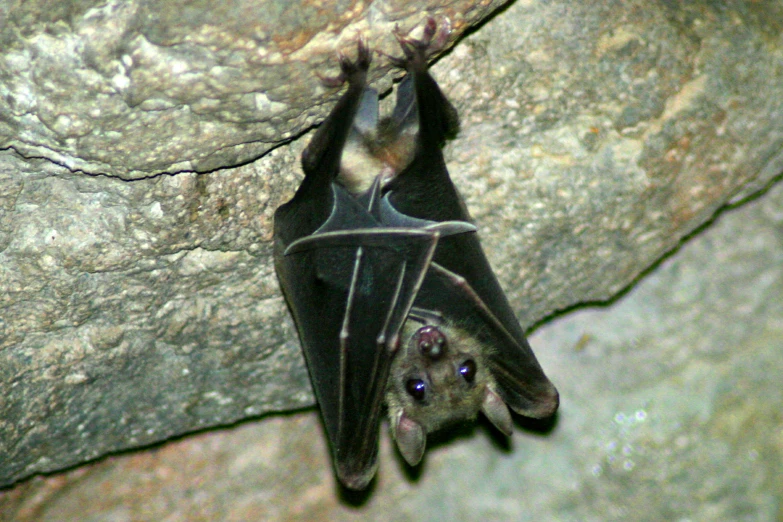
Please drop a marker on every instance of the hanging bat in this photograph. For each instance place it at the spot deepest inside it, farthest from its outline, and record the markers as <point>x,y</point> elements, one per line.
<point>393,298</point>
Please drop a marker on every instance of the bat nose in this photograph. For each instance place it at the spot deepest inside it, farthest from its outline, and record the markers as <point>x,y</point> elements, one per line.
<point>431,342</point>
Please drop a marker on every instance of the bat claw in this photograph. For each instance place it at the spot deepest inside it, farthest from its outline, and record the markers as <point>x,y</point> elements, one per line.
<point>434,39</point>
<point>349,70</point>
<point>442,36</point>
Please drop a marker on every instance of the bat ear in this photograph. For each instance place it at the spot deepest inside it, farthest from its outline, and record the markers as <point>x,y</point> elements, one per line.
<point>496,411</point>
<point>411,439</point>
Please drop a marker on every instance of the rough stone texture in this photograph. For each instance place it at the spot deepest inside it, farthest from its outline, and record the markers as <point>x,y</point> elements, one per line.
<point>671,411</point>
<point>594,137</point>
<point>133,88</point>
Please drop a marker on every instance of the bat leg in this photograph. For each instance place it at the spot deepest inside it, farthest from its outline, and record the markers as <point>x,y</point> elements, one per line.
<point>322,155</point>
<point>423,189</point>
<point>314,201</point>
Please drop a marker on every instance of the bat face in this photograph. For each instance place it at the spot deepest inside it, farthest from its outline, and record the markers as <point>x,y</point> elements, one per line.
<point>435,377</point>
<point>394,300</point>
<point>440,376</point>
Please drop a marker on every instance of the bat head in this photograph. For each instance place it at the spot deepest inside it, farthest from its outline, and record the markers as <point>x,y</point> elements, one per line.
<point>439,377</point>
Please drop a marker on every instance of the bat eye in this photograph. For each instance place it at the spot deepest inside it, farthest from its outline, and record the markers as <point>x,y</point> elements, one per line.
<point>431,341</point>
<point>416,388</point>
<point>468,371</point>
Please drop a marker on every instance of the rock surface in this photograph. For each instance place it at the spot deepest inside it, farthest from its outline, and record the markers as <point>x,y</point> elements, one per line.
<point>671,411</point>
<point>134,88</point>
<point>594,138</point>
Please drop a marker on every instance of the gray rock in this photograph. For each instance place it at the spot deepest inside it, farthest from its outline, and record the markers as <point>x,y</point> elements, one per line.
<point>671,411</point>
<point>594,138</point>
<point>134,88</point>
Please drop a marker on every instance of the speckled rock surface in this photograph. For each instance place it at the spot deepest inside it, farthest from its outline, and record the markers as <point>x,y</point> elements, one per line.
<point>671,411</point>
<point>134,308</point>
<point>134,88</point>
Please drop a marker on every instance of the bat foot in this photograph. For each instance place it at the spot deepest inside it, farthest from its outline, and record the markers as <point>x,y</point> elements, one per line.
<point>417,50</point>
<point>350,71</point>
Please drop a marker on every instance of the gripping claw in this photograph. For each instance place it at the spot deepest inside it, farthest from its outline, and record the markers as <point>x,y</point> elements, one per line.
<point>350,70</point>
<point>433,40</point>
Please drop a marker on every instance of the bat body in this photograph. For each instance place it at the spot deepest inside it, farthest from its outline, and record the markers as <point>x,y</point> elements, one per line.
<point>394,300</point>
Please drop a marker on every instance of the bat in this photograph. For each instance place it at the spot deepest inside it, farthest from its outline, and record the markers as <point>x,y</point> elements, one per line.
<point>394,300</point>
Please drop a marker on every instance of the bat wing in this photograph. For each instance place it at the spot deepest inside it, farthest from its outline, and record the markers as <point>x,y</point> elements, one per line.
<point>521,382</point>
<point>353,283</point>
<point>461,284</point>
<point>350,307</point>
<point>352,292</point>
